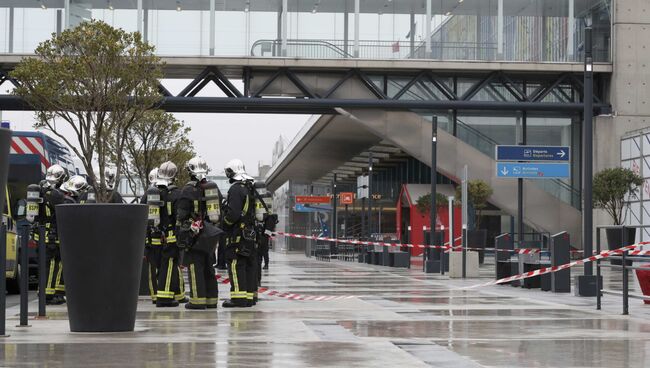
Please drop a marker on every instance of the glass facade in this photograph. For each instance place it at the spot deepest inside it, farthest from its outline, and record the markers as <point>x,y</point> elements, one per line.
<point>635,155</point>
<point>517,30</point>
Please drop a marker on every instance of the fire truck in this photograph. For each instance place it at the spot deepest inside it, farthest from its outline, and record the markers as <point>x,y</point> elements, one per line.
<point>31,154</point>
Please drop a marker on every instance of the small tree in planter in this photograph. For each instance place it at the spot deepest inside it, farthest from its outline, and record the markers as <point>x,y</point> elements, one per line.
<point>423,204</point>
<point>478,192</point>
<point>609,190</point>
<point>99,81</point>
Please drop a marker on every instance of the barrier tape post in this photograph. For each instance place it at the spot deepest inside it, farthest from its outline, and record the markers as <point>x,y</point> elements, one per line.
<point>599,287</point>
<point>625,271</point>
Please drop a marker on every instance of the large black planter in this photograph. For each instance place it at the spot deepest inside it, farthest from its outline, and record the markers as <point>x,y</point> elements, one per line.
<point>5,142</point>
<point>477,239</point>
<point>101,250</point>
<point>615,240</point>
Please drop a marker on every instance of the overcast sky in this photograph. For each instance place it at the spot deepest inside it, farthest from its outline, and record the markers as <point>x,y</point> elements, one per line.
<point>217,137</point>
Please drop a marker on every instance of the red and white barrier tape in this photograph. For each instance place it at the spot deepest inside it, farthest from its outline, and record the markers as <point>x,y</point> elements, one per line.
<point>545,270</point>
<point>290,296</point>
<point>446,247</point>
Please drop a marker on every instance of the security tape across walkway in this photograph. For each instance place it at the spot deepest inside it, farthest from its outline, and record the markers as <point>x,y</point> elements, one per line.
<point>630,249</point>
<point>446,246</point>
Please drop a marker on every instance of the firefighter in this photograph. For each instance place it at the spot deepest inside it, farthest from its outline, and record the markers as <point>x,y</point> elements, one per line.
<point>239,223</point>
<point>198,214</point>
<point>170,281</point>
<point>53,195</point>
<point>110,177</point>
<point>152,252</point>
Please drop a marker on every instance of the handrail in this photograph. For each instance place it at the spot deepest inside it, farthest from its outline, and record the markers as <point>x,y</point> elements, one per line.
<point>302,42</point>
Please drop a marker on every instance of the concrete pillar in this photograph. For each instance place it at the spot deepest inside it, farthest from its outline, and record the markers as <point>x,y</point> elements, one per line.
<point>630,85</point>
<point>212,27</point>
<point>357,9</point>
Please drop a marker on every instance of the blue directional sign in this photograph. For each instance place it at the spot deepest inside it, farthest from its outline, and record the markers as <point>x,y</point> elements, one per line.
<point>533,170</point>
<point>533,153</point>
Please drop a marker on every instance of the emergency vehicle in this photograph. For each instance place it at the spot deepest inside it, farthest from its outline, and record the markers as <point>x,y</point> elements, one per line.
<point>31,154</point>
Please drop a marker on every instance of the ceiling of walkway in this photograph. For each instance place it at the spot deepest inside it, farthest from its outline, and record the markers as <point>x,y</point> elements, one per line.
<point>472,7</point>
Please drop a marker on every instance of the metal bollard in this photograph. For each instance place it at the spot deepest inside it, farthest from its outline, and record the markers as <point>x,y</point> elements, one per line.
<point>3,279</point>
<point>464,252</point>
<point>625,273</point>
<point>42,271</point>
<point>24,276</point>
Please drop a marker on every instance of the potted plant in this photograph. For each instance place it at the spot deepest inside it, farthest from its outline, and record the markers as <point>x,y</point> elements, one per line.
<point>98,81</point>
<point>610,188</point>
<point>478,192</point>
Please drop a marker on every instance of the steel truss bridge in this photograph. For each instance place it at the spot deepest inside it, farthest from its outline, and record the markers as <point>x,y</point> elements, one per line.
<point>294,86</point>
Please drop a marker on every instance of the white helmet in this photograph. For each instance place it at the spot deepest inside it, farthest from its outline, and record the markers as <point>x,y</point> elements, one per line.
<point>197,167</point>
<point>110,175</point>
<point>153,176</point>
<point>166,173</point>
<point>236,170</point>
<point>75,185</point>
<point>56,175</point>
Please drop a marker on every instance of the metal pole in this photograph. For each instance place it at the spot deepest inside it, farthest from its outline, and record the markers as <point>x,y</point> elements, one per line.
<point>571,31</point>
<point>24,275</point>
<point>285,20</point>
<point>625,274</point>
<point>451,232</point>
<point>599,287</point>
<point>465,215</point>
<point>427,34</point>
<point>587,166</point>
<point>66,18</point>
<point>145,26</point>
<point>3,278</point>
<point>434,167</point>
<point>11,30</point>
<point>355,47</point>
<point>334,203</point>
<point>363,217</point>
<point>346,26</point>
<point>345,222</point>
<point>500,29</point>
<point>140,20</point>
<point>212,26</point>
<point>412,34</point>
<point>369,194</point>
<point>520,185</point>
<point>42,273</point>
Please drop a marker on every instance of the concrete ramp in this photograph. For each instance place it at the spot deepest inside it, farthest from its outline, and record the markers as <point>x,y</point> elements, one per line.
<point>412,133</point>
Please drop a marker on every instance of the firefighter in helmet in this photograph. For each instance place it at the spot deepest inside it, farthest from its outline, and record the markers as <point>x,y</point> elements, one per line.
<point>52,194</point>
<point>170,278</point>
<point>198,215</point>
<point>152,252</point>
<point>239,223</point>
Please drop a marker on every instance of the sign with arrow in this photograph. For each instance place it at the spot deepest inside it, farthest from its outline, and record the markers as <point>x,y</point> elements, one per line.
<point>533,170</point>
<point>533,153</point>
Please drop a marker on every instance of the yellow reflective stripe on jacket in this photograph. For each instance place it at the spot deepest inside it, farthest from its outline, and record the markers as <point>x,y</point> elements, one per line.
<point>169,208</point>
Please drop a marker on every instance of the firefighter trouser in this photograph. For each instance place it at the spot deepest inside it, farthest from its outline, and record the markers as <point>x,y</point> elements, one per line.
<point>170,282</point>
<point>243,279</point>
<point>153,254</point>
<point>221,252</point>
<point>201,276</point>
<point>55,284</point>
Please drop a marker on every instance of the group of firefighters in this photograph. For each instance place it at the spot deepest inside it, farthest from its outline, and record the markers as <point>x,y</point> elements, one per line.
<point>186,228</point>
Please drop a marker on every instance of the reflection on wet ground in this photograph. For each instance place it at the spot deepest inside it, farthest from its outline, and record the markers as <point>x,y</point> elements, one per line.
<point>399,317</point>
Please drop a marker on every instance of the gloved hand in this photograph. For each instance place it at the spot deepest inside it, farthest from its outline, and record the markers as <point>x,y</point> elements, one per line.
<point>196,226</point>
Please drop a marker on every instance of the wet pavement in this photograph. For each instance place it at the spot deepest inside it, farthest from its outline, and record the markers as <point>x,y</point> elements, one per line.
<point>398,317</point>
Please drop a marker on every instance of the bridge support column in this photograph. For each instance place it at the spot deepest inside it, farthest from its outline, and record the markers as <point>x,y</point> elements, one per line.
<point>357,9</point>
<point>500,30</point>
